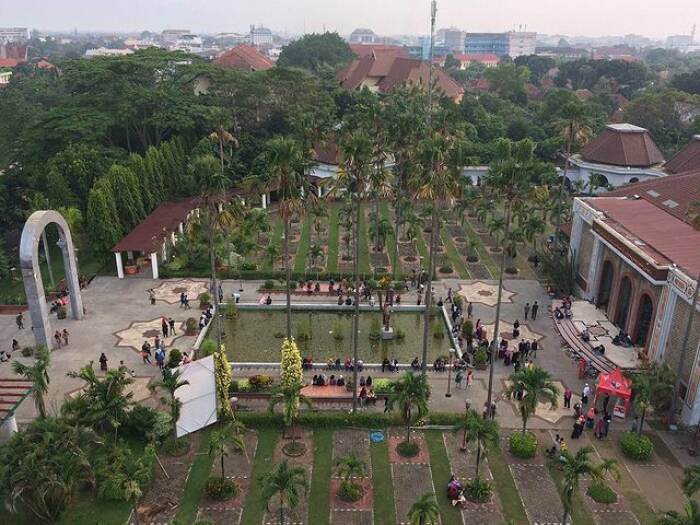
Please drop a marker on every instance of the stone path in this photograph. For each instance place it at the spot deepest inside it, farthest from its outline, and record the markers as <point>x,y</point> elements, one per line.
<point>484,293</point>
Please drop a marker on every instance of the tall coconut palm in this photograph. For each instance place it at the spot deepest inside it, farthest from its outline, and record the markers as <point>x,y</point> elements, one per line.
<point>425,511</point>
<point>223,439</point>
<point>286,162</point>
<point>222,136</point>
<point>353,179</point>
<point>691,516</point>
<point>511,179</point>
<point>575,126</point>
<point>575,466</point>
<point>411,394</point>
<point>351,467</point>
<point>476,429</point>
<point>531,386</point>
<point>442,157</point>
<point>38,374</point>
<point>171,382</point>
<point>286,483</point>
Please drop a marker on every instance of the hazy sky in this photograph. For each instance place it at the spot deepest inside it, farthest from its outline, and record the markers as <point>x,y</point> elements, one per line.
<point>573,17</point>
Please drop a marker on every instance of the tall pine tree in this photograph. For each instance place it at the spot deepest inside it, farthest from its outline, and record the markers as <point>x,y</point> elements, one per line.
<point>102,223</point>
<point>154,167</point>
<point>125,188</point>
<point>138,167</point>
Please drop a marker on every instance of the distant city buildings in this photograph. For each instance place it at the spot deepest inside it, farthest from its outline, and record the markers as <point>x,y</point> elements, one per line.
<point>12,54</point>
<point>261,36</point>
<point>171,36</point>
<point>244,58</point>
<point>364,36</point>
<point>13,34</point>
<point>107,52</point>
<point>487,59</point>
<point>453,39</point>
<point>512,43</point>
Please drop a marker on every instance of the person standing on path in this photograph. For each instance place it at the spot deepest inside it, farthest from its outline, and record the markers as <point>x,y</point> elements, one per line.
<point>584,395</point>
<point>527,310</point>
<point>567,397</point>
<point>606,400</point>
<point>65,335</point>
<point>57,338</point>
<point>20,321</point>
<point>533,348</point>
<point>146,353</point>
<point>152,296</point>
<point>164,326</point>
<point>103,362</point>
<point>171,323</point>
<point>470,310</point>
<point>535,307</point>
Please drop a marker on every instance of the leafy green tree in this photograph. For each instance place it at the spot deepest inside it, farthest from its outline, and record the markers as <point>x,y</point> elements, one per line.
<point>575,466</point>
<point>538,66</point>
<point>127,196</point>
<point>222,439</point>
<point>291,399</point>
<point>4,263</point>
<point>103,225</point>
<point>650,388</point>
<point>425,511</point>
<point>476,429</point>
<point>509,81</point>
<point>38,374</point>
<point>171,382</point>
<point>531,386</point>
<point>137,166</point>
<point>286,483</point>
<point>314,51</point>
<point>411,394</point>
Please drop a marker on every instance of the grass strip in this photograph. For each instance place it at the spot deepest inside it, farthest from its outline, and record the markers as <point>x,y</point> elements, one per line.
<point>319,509</point>
<point>453,255</point>
<point>304,244</point>
<point>513,509</point>
<point>390,240</point>
<point>254,509</point>
<point>440,468</point>
<point>640,508</point>
<point>364,243</point>
<point>276,240</point>
<point>384,508</point>
<point>484,255</point>
<point>332,256</point>
<point>422,248</point>
<point>199,472</point>
<point>580,511</point>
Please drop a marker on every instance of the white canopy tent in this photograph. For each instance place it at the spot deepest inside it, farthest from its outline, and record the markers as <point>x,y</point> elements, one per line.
<point>198,397</point>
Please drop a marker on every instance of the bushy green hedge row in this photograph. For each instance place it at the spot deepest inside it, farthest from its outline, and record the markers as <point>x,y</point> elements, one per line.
<point>635,446</point>
<point>260,275</point>
<point>328,419</point>
<point>523,445</point>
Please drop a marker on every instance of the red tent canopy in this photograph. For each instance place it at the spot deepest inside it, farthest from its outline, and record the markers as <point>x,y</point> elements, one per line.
<point>614,384</point>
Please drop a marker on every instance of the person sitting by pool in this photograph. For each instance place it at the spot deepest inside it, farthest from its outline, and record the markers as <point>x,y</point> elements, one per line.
<point>415,364</point>
<point>369,381</point>
<point>329,364</point>
<point>333,381</point>
<point>397,300</point>
<point>362,380</point>
<point>360,365</point>
<point>337,363</point>
<point>386,364</point>
<point>306,363</point>
<point>371,397</point>
<point>317,287</point>
<point>268,300</point>
<point>341,380</point>
<point>348,363</point>
<point>322,380</point>
<point>348,301</point>
<point>439,365</point>
<point>340,299</point>
<point>314,381</point>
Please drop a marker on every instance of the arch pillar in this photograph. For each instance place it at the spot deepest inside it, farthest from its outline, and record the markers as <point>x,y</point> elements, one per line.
<point>31,272</point>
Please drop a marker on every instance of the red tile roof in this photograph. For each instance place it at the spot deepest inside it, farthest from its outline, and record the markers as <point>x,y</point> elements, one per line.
<point>623,145</point>
<point>477,57</point>
<point>10,62</point>
<point>687,159</point>
<point>479,85</point>
<point>390,71</point>
<point>327,152</point>
<point>673,194</point>
<point>363,50</point>
<point>653,231</point>
<point>584,94</point>
<point>244,58</point>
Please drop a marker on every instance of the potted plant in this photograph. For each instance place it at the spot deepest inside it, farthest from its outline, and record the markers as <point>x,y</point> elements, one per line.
<point>480,358</point>
<point>131,267</point>
<point>190,326</point>
<point>204,300</point>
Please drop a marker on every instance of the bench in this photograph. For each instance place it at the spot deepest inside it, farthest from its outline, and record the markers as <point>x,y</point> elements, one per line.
<point>571,335</point>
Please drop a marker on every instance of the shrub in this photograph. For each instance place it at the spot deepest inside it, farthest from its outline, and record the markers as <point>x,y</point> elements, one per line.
<point>208,347</point>
<point>457,299</point>
<point>221,489</point>
<point>446,268</point>
<point>398,286</point>
<point>478,490</point>
<point>174,358</point>
<point>480,357</point>
<point>438,332</point>
<point>635,446</point>
<point>140,420</point>
<point>232,310</point>
<point>383,386</point>
<point>472,258</point>
<point>408,449</point>
<point>239,385</point>
<point>176,447</point>
<point>28,351</point>
<point>523,445</point>
<point>375,330</point>
<point>269,284</point>
<point>601,493</point>
<point>248,266</point>
<point>399,334</point>
<point>204,300</point>
<point>190,325</point>
<point>259,382</point>
<point>350,491</point>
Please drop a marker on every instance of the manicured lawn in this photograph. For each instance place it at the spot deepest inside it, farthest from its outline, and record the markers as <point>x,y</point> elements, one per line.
<point>384,509</point>
<point>639,506</point>
<point>199,473</point>
<point>275,239</point>
<point>580,512</point>
<point>254,509</point>
<point>440,468</point>
<point>364,243</point>
<point>319,511</point>
<point>422,248</point>
<point>390,241</point>
<point>456,260</point>
<point>513,509</point>
<point>484,256</point>
<point>302,257</point>
<point>332,253</point>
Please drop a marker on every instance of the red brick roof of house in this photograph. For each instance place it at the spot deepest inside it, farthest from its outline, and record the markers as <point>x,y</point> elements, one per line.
<point>486,58</point>
<point>364,50</point>
<point>391,71</point>
<point>244,58</point>
<point>623,145</point>
<point>687,159</point>
<point>11,55</point>
<point>673,193</point>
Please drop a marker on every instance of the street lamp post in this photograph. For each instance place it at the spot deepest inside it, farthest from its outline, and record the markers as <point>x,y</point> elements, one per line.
<point>449,374</point>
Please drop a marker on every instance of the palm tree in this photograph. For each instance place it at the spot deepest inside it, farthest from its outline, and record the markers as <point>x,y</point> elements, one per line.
<point>222,136</point>
<point>38,375</point>
<point>319,213</point>
<point>353,177</point>
<point>286,163</point>
<point>411,394</point>
<point>315,253</point>
<point>425,511</point>
<point>530,386</point>
<point>442,160</point>
<point>170,383</point>
<point>222,438</point>
<point>609,467</point>
<point>652,388</point>
<point>691,517</point>
<point>291,399</point>
<point>272,253</point>
<point>257,221</point>
<point>691,480</point>
<point>512,179</point>
<point>532,227</point>
<point>477,430</point>
<point>575,126</point>
<point>351,467</point>
<point>496,227</point>
<point>285,482</point>
<point>575,466</point>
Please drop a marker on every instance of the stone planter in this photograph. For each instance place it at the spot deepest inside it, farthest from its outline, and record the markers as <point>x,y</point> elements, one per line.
<point>131,270</point>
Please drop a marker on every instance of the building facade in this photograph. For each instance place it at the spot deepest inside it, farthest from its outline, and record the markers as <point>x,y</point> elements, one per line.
<point>512,43</point>
<point>261,36</point>
<point>13,34</point>
<point>363,36</point>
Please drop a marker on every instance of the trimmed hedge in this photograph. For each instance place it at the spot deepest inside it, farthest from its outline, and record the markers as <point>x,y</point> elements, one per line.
<point>635,446</point>
<point>601,493</point>
<point>328,419</point>
<point>261,275</point>
<point>523,445</point>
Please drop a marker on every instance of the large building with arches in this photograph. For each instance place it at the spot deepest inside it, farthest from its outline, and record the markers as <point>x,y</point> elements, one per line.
<point>638,259</point>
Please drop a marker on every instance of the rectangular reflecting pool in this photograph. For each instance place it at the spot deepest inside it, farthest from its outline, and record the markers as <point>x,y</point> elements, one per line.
<point>256,336</point>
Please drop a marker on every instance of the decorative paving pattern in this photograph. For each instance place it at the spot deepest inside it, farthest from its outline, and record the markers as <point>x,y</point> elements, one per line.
<point>140,331</point>
<point>169,291</point>
<point>484,293</point>
<point>506,332</point>
<point>545,411</point>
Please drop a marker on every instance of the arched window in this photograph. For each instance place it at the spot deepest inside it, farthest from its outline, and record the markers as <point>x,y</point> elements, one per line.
<point>645,316</point>
<point>606,281</point>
